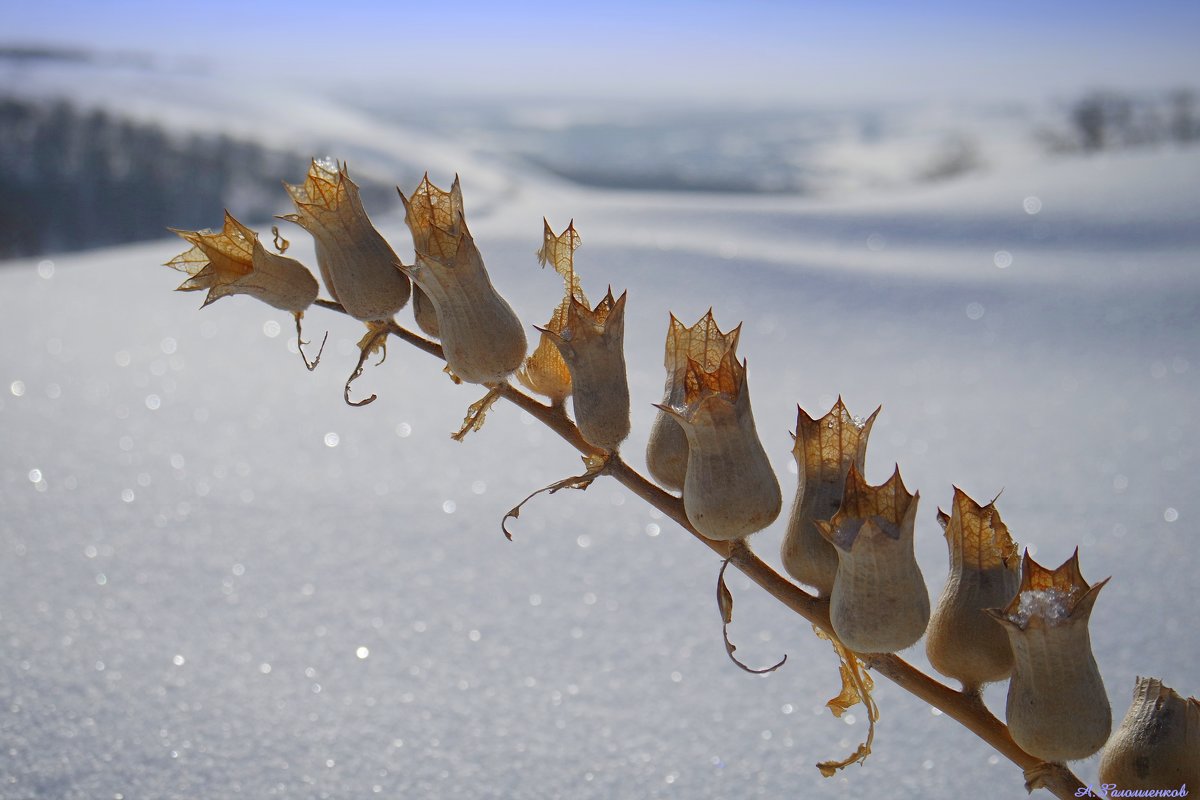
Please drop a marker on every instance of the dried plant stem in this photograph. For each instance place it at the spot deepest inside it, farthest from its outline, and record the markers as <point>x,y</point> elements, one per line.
<point>966,709</point>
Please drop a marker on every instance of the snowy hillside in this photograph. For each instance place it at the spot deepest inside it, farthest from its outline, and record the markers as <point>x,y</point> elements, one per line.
<point>218,580</point>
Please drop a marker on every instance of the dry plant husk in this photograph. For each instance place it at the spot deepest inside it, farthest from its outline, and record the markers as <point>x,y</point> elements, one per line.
<point>1157,745</point>
<point>592,343</point>
<point>963,642</point>
<point>704,343</point>
<point>358,266</point>
<point>234,261</point>
<point>1057,708</point>
<point>729,489</point>
<point>482,338</point>
<point>824,450</point>
<point>545,372</point>
<point>879,602</point>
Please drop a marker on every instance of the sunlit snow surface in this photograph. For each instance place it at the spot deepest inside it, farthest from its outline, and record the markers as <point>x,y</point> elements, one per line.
<point>218,580</point>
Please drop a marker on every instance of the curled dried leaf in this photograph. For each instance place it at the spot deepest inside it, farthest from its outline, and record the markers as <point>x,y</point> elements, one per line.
<point>281,244</point>
<point>477,414</point>
<point>375,340</point>
<point>856,688</point>
<point>300,343</point>
<point>725,606</point>
<point>595,467</point>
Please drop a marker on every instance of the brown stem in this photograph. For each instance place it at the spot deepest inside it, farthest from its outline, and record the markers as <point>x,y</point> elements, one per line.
<point>964,708</point>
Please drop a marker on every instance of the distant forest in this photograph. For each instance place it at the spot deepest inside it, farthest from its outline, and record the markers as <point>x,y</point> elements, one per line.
<point>72,179</point>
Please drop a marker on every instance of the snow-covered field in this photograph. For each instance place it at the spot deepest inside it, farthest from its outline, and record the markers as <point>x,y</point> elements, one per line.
<point>218,580</point>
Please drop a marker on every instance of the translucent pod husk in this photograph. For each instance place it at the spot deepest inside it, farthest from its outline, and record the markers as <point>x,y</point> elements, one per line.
<point>1157,745</point>
<point>824,450</point>
<point>592,344</point>
<point>1057,708</point>
<point>358,266</point>
<point>424,313</point>
<point>482,338</point>
<point>234,261</point>
<point>729,488</point>
<point>963,642</point>
<point>879,602</point>
<point>544,371</point>
<point>704,343</point>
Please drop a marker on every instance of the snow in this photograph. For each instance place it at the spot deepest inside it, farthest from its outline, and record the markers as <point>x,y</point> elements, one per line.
<point>1049,605</point>
<point>218,580</point>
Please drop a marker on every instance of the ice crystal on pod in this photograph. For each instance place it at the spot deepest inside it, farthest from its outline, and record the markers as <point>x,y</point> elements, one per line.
<point>1048,605</point>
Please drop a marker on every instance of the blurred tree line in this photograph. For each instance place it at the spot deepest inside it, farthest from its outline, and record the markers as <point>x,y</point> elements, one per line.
<point>1108,120</point>
<point>72,179</point>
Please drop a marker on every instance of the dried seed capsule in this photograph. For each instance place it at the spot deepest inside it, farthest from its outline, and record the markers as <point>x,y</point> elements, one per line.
<point>424,313</point>
<point>593,345</point>
<point>963,642</point>
<point>824,451</point>
<point>360,269</point>
<point>545,372</point>
<point>667,449</point>
<point>1158,743</point>
<point>729,488</point>
<point>1057,709</point>
<point>482,338</point>
<point>879,603</point>
<point>235,262</point>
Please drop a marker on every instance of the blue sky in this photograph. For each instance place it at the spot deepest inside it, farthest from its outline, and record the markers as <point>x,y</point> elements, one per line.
<point>759,51</point>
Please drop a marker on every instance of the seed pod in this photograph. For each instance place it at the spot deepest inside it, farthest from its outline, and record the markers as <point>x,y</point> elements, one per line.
<point>824,451</point>
<point>424,313</point>
<point>963,642</point>
<point>593,345</point>
<point>545,372</point>
<point>482,338</point>
<point>1057,709</point>
<point>729,488</point>
<point>667,450</point>
<point>235,262</point>
<point>1158,743</point>
<point>433,207</point>
<point>360,269</point>
<point>879,603</point>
